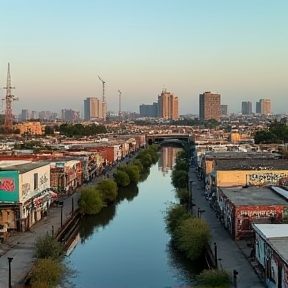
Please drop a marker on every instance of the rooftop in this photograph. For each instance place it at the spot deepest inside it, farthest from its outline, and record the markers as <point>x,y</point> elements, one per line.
<point>253,196</point>
<point>272,230</point>
<point>280,246</point>
<point>240,154</point>
<point>247,164</point>
<point>23,168</point>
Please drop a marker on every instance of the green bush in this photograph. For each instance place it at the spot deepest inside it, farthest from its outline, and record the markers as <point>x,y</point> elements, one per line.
<point>179,178</point>
<point>121,178</point>
<point>214,278</point>
<point>192,237</point>
<point>138,163</point>
<point>91,201</point>
<point>48,247</point>
<point>183,195</point>
<point>132,171</point>
<point>145,159</point>
<point>108,190</point>
<point>175,215</point>
<point>47,271</point>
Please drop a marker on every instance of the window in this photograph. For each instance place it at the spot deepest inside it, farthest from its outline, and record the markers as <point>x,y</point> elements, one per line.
<point>35,181</point>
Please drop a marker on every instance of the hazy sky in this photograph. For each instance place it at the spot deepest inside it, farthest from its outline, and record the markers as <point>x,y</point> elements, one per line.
<point>57,49</point>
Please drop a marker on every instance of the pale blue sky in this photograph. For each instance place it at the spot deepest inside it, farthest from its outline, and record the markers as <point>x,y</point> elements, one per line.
<point>57,49</point>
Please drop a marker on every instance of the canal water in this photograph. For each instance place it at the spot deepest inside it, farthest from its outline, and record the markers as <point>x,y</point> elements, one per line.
<point>126,246</point>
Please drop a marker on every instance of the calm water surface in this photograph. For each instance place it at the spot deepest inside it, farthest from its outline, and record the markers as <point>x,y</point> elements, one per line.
<point>126,245</point>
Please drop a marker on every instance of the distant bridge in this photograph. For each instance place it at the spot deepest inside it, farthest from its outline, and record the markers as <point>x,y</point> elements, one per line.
<point>175,137</point>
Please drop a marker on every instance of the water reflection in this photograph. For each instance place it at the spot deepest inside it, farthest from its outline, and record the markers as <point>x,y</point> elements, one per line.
<point>134,247</point>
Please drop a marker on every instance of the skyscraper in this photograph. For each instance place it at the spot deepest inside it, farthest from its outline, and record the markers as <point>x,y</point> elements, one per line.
<point>209,106</point>
<point>246,108</point>
<point>149,110</point>
<point>265,106</point>
<point>168,106</point>
<point>224,110</point>
<point>93,109</point>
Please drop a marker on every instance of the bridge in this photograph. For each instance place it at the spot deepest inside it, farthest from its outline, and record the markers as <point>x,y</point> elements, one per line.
<point>166,138</point>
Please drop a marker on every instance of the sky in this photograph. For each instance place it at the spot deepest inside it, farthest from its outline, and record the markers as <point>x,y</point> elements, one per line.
<point>58,48</point>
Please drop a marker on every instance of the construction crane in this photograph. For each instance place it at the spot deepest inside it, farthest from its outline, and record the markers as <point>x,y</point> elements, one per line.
<point>104,105</point>
<point>8,123</point>
<point>120,112</point>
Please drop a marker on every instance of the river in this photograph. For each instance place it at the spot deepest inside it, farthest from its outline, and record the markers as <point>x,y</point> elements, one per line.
<point>126,246</point>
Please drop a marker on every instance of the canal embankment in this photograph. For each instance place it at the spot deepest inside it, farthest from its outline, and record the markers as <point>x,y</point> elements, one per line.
<point>228,255</point>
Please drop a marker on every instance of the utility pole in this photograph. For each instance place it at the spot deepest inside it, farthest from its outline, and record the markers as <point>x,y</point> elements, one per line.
<point>120,112</point>
<point>104,104</point>
<point>8,124</point>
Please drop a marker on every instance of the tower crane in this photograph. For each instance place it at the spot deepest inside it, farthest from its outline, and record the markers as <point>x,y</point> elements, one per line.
<point>120,112</point>
<point>104,104</point>
<point>8,124</point>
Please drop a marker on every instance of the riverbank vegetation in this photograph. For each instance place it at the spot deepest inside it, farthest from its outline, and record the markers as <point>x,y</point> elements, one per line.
<point>49,269</point>
<point>189,234</point>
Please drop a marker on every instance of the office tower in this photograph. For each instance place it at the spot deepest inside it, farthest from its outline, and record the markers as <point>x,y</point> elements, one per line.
<point>44,115</point>
<point>168,106</point>
<point>24,115</point>
<point>70,115</point>
<point>265,106</point>
<point>224,110</point>
<point>246,108</point>
<point>33,115</point>
<point>150,110</point>
<point>258,108</point>
<point>93,109</point>
<point>209,106</point>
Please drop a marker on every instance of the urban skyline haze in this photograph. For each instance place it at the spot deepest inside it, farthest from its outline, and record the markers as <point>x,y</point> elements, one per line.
<point>57,49</point>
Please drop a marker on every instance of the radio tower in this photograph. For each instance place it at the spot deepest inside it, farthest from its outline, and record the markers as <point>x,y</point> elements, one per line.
<point>120,112</point>
<point>8,124</point>
<point>104,104</point>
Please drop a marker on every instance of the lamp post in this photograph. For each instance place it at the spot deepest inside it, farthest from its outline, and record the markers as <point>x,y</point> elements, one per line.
<point>216,255</point>
<point>72,209</point>
<point>61,219</point>
<point>9,264</point>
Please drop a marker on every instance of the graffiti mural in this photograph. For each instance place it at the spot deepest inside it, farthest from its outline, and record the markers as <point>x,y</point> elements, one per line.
<point>265,178</point>
<point>284,280</point>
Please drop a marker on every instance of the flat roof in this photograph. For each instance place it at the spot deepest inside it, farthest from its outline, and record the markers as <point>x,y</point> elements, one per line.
<point>253,196</point>
<point>239,154</point>
<point>280,246</point>
<point>272,230</point>
<point>23,168</point>
<point>246,164</point>
<point>9,163</point>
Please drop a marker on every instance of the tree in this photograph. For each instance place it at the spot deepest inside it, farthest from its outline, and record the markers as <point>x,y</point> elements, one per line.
<point>214,278</point>
<point>181,165</point>
<point>179,178</point>
<point>138,163</point>
<point>49,130</point>
<point>174,217</point>
<point>183,195</point>
<point>121,178</point>
<point>145,159</point>
<point>47,271</point>
<point>108,190</point>
<point>132,171</point>
<point>192,237</point>
<point>48,247</point>
<point>91,201</point>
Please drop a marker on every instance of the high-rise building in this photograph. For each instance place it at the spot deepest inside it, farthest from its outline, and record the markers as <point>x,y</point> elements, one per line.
<point>224,110</point>
<point>44,115</point>
<point>265,106</point>
<point>150,110</point>
<point>24,115</point>
<point>258,108</point>
<point>209,106</point>
<point>33,115</point>
<point>93,109</point>
<point>70,115</point>
<point>168,106</point>
<point>246,108</point>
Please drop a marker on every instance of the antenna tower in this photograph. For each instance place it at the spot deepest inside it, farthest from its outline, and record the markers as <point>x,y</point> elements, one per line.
<point>120,112</point>
<point>8,124</point>
<point>104,104</point>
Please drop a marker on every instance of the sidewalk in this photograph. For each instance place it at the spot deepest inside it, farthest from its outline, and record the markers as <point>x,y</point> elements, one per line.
<point>20,245</point>
<point>230,257</point>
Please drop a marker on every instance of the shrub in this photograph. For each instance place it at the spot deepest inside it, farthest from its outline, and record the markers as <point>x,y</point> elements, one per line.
<point>121,178</point>
<point>47,271</point>
<point>214,278</point>
<point>48,247</point>
<point>174,217</point>
<point>108,190</point>
<point>192,237</point>
<point>91,201</point>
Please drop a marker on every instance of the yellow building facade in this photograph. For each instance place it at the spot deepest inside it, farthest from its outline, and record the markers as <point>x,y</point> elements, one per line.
<point>30,128</point>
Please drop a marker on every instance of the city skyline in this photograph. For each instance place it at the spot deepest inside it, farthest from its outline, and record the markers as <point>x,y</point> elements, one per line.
<point>57,50</point>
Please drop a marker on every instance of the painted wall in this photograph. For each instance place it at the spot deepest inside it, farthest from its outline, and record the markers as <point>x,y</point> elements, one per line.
<point>9,186</point>
<point>34,182</point>
<point>249,177</point>
<point>260,250</point>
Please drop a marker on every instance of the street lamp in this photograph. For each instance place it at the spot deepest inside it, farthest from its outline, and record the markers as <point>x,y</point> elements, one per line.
<point>9,263</point>
<point>62,214</point>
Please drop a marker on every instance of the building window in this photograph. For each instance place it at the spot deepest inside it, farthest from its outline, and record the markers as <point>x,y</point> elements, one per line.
<point>35,181</point>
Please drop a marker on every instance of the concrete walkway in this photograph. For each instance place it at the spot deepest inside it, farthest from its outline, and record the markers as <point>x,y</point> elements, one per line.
<point>229,255</point>
<point>21,246</point>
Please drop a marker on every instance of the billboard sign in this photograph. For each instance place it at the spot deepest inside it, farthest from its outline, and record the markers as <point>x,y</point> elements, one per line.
<point>9,186</point>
